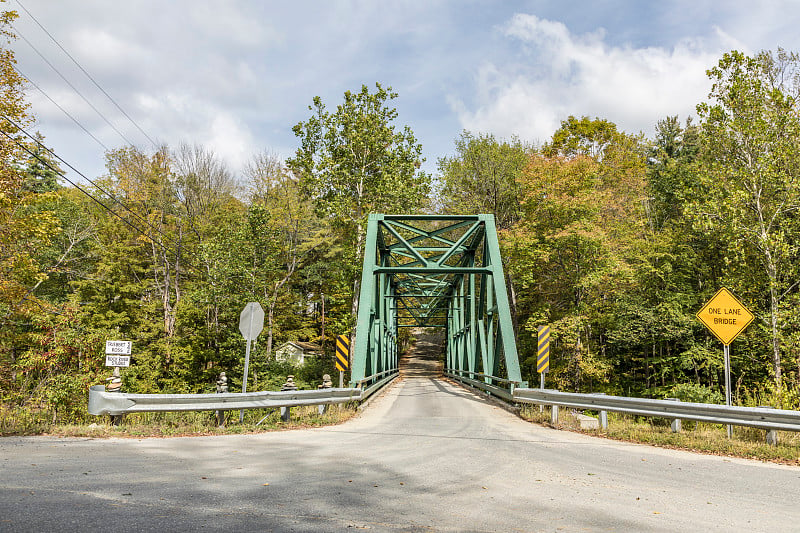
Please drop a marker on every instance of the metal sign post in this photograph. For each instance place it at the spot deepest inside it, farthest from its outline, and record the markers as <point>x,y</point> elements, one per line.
<point>725,317</point>
<point>727,356</point>
<point>251,322</point>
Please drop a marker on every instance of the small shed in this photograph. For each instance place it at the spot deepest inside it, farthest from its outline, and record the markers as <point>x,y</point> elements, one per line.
<point>295,352</point>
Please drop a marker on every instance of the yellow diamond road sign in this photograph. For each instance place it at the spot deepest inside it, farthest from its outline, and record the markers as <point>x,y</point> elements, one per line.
<point>725,316</point>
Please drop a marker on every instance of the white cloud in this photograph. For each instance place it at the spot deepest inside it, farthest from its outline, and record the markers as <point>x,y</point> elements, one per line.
<point>555,73</point>
<point>100,49</point>
<point>194,120</point>
<point>184,68</point>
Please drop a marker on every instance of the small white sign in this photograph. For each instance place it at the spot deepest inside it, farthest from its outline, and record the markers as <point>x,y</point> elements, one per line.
<point>118,348</point>
<point>118,360</point>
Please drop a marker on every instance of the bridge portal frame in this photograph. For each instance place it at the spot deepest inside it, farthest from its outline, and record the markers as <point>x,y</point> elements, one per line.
<point>436,271</point>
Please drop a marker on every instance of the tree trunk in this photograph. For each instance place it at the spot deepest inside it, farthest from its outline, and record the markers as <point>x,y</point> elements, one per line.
<point>512,299</point>
<point>274,299</point>
<point>270,317</point>
<point>357,281</point>
<point>776,343</point>
<point>322,333</point>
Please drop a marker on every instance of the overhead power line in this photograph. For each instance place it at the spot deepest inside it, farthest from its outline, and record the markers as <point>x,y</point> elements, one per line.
<point>81,189</point>
<point>53,67</point>
<point>75,120</point>
<point>88,75</point>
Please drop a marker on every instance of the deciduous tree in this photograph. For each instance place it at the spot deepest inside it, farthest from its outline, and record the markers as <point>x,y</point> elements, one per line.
<point>355,161</point>
<point>751,162</point>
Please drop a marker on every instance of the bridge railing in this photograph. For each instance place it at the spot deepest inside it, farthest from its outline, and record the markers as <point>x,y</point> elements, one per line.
<point>500,387</point>
<point>371,384</point>
<point>757,417</point>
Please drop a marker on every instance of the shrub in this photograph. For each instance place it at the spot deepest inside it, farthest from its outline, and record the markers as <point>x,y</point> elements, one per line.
<point>695,393</point>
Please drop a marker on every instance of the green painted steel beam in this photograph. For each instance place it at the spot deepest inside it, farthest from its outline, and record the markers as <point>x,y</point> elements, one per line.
<point>434,271</point>
<point>443,269</point>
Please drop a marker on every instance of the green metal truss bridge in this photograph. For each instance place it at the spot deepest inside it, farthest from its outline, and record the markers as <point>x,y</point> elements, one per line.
<point>436,272</point>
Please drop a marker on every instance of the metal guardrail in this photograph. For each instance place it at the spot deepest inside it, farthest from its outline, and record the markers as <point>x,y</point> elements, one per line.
<point>500,392</point>
<point>757,417</point>
<point>116,403</point>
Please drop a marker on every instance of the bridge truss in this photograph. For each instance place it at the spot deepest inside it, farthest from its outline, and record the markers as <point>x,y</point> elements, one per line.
<point>436,272</point>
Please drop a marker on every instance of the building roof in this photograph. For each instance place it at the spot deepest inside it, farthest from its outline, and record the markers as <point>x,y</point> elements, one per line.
<point>308,347</point>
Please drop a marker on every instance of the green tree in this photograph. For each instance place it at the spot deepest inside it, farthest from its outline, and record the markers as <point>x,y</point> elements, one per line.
<point>282,225</point>
<point>25,226</point>
<point>482,177</point>
<point>575,250</point>
<point>751,160</point>
<point>583,136</point>
<point>355,161</point>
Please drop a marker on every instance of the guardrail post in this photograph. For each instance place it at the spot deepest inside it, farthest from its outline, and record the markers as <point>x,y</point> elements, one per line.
<point>772,434</point>
<point>286,413</point>
<point>326,384</point>
<point>772,437</point>
<point>603,415</point>
<point>115,385</point>
<point>676,425</point>
<point>222,388</point>
<point>554,414</point>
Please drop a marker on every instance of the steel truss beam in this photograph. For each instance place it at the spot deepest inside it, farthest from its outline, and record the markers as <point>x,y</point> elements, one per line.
<point>435,271</point>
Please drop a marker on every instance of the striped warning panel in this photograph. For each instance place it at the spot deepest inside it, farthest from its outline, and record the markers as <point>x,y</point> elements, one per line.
<point>543,352</point>
<point>342,353</point>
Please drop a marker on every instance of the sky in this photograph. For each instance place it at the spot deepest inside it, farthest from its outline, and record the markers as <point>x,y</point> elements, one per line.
<point>235,76</point>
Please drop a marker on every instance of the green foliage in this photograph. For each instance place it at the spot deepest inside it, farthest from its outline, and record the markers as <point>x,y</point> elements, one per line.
<point>750,139</point>
<point>692,392</point>
<point>354,161</point>
<point>483,177</point>
<point>785,396</point>
<point>614,240</point>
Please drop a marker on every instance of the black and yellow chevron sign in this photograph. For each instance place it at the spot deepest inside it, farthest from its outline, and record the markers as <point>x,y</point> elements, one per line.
<point>543,353</point>
<point>342,353</point>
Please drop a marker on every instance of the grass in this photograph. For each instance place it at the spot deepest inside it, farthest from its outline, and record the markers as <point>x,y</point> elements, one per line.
<point>174,424</point>
<point>749,443</point>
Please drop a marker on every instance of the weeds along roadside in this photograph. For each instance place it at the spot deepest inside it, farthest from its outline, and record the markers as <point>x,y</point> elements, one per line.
<point>748,443</point>
<point>24,421</point>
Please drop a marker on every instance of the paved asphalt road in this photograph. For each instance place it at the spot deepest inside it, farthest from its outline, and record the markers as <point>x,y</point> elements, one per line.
<point>425,456</point>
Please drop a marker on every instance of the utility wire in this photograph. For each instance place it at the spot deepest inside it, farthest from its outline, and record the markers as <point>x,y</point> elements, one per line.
<point>88,75</point>
<point>73,87</point>
<point>81,126</point>
<point>188,264</point>
<point>81,189</point>
<point>101,189</point>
